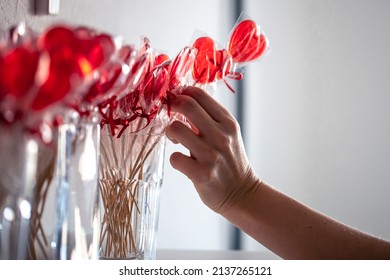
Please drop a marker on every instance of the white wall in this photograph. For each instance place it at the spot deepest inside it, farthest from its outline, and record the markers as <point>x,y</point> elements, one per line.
<point>185,223</point>
<point>319,107</point>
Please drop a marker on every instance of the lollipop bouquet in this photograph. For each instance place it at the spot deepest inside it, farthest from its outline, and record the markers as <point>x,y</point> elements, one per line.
<point>82,121</point>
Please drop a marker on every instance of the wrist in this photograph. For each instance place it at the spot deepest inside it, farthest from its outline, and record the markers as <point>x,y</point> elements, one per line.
<point>241,194</point>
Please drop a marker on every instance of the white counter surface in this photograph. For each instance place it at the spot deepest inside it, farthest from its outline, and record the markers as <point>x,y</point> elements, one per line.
<point>215,255</point>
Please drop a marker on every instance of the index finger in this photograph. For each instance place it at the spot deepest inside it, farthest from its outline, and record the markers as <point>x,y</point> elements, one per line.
<point>208,103</point>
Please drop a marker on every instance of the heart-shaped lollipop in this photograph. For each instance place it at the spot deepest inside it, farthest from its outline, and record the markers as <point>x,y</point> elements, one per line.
<point>209,62</point>
<point>18,69</point>
<point>180,67</point>
<point>247,42</point>
<point>72,56</point>
<point>94,49</point>
<point>87,49</point>
<point>58,82</point>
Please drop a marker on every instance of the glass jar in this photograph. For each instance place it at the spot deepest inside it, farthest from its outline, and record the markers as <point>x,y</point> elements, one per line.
<point>131,173</point>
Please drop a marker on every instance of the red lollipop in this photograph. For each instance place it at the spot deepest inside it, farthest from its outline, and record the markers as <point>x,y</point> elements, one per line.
<point>154,89</point>
<point>58,82</point>
<point>108,76</point>
<point>247,42</point>
<point>2,91</point>
<point>179,69</point>
<point>72,55</point>
<point>209,61</point>
<point>94,49</point>
<point>161,58</point>
<point>61,46</point>
<point>18,69</point>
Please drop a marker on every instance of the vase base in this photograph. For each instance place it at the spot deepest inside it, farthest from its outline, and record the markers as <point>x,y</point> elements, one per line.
<point>136,257</point>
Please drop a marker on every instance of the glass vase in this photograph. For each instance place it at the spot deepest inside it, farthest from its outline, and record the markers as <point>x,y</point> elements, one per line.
<point>76,233</point>
<point>66,221</point>
<point>18,168</point>
<point>131,173</point>
<point>43,202</point>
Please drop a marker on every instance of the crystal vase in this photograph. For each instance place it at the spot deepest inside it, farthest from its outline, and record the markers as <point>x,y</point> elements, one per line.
<point>131,173</point>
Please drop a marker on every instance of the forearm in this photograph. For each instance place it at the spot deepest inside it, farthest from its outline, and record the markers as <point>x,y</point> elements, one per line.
<point>294,231</point>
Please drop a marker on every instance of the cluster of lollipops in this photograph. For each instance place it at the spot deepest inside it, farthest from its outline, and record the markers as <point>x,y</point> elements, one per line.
<point>65,68</point>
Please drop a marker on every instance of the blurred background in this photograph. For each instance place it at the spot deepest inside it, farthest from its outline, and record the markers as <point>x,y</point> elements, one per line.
<point>315,112</point>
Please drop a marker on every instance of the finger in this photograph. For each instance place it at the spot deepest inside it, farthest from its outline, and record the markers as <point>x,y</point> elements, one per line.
<point>179,117</point>
<point>208,103</point>
<point>173,140</point>
<point>184,164</point>
<point>184,135</point>
<point>193,112</point>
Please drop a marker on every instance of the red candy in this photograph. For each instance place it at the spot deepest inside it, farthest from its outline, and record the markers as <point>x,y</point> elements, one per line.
<point>56,86</point>
<point>160,59</point>
<point>87,51</point>
<point>154,90</point>
<point>18,69</point>
<point>108,77</point>
<point>208,65</point>
<point>247,42</point>
<point>182,64</point>
<point>72,56</point>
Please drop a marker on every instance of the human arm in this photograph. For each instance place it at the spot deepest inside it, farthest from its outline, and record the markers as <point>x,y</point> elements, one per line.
<point>225,181</point>
<point>295,231</point>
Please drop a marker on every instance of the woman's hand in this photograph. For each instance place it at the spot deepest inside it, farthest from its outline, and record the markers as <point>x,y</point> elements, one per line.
<point>217,164</point>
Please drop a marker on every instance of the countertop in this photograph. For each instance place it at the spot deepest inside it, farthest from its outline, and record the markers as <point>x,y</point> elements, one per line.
<point>215,255</point>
